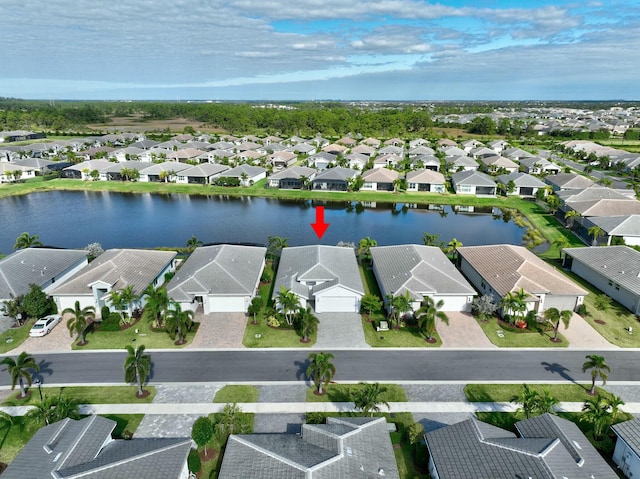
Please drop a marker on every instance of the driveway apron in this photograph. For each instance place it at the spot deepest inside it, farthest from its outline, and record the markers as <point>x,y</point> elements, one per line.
<point>340,330</point>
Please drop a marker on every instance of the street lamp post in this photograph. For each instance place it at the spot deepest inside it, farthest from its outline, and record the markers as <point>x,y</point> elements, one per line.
<point>38,383</point>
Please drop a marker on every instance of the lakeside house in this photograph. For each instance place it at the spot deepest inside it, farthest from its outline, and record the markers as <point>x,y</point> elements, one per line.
<point>426,180</point>
<point>220,278</point>
<point>523,184</point>
<point>473,183</point>
<point>333,179</point>
<point>379,179</point>
<point>292,178</point>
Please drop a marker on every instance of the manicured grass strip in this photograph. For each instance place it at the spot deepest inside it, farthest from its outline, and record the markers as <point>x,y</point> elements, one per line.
<point>262,336</point>
<point>119,339</point>
<point>342,393</point>
<point>14,437</point>
<point>369,281</point>
<point>87,395</point>
<point>407,337</point>
<point>14,337</point>
<point>236,393</point>
<point>126,422</point>
<point>518,339</point>
<point>505,392</point>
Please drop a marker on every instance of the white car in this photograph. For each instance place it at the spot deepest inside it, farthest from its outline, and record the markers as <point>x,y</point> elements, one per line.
<point>43,326</point>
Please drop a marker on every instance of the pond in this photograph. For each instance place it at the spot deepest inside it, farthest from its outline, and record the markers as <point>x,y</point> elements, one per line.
<point>71,219</point>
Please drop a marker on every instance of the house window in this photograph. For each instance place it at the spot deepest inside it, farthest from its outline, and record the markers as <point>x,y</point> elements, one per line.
<point>617,287</point>
<point>464,188</point>
<point>412,186</point>
<point>483,284</point>
<point>610,283</point>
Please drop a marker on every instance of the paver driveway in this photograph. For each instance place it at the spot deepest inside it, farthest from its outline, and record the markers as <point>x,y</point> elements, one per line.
<point>219,330</point>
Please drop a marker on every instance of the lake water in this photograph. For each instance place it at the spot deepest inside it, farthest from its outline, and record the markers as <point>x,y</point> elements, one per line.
<point>71,219</point>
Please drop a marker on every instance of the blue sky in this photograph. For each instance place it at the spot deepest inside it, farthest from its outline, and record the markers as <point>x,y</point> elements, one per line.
<point>320,49</point>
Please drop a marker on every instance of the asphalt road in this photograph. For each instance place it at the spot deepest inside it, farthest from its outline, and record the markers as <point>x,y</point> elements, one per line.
<point>351,365</point>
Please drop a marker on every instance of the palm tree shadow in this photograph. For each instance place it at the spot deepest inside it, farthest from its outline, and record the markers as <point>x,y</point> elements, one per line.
<point>559,369</point>
<point>44,369</point>
<point>301,369</point>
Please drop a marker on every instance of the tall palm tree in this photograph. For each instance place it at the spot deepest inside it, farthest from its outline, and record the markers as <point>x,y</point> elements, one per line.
<point>528,400</point>
<point>560,243</point>
<point>513,304</point>
<point>595,232</point>
<point>156,305</point>
<point>52,409</point>
<point>614,402</point>
<point>79,320</point>
<point>321,370</point>
<point>25,240</point>
<point>20,370</point>
<point>554,203</point>
<point>275,247</point>
<point>367,399</point>
<point>193,243</point>
<point>427,315</point>
<point>571,216</point>
<point>399,305</point>
<point>598,367</point>
<point>130,298</point>
<point>177,321</point>
<point>364,249</point>
<point>137,367</point>
<point>453,245</point>
<point>289,303</point>
<point>308,323</point>
<point>555,317</point>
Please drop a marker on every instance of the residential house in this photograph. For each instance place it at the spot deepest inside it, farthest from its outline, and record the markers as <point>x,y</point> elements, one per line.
<point>128,153</point>
<point>113,270</point>
<point>83,170</point>
<point>326,278</point>
<point>626,455</point>
<point>365,150</point>
<point>461,163</point>
<point>392,150</point>
<point>379,179</point>
<point>333,179</point>
<point>614,270</point>
<point>546,446</point>
<point>539,166</point>
<point>498,145</point>
<point>293,178</point>
<point>469,145</point>
<point>114,171</point>
<point>496,270</point>
<point>304,149</point>
<point>428,162</point>
<point>248,175</point>
<point>221,278</point>
<point>399,142</point>
<point>201,174</point>
<point>498,164</point>
<point>387,161</point>
<point>517,154</point>
<point>374,142</point>
<point>416,142</point>
<point>523,184</point>
<point>473,183</point>
<point>322,160</point>
<point>481,152</point>
<point>44,267</point>
<point>452,151</point>
<point>421,271</point>
<point>353,447</point>
<point>347,141</point>
<point>39,165</point>
<point>10,172</point>
<point>568,181</point>
<point>248,156</point>
<point>282,159</point>
<point>357,161</point>
<point>186,155</point>
<point>167,172</point>
<point>335,149</point>
<point>85,449</point>
<point>625,228</point>
<point>421,150</point>
<point>426,180</point>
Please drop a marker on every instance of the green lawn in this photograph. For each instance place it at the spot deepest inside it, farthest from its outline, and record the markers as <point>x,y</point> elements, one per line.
<point>13,438</point>
<point>87,395</point>
<point>119,339</point>
<point>519,338</point>
<point>504,392</point>
<point>14,337</point>
<point>407,337</point>
<point>236,394</point>
<point>342,393</point>
<point>126,422</point>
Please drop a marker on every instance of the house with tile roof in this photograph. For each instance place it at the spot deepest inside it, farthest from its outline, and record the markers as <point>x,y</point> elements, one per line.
<point>614,270</point>
<point>473,183</point>
<point>74,449</point>
<point>626,455</point>
<point>546,446</point>
<point>496,270</point>
<point>219,278</point>
<point>353,447</point>
<point>326,278</point>
<point>379,179</point>
<point>115,269</point>
<point>537,166</point>
<point>426,180</point>
<point>46,267</point>
<point>421,271</point>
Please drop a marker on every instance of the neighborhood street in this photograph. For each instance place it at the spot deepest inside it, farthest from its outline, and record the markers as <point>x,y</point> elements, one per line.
<point>352,365</point>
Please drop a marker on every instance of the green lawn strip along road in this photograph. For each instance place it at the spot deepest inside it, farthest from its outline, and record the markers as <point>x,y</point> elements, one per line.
<point>342,393</point>
<point>404,337</point>
<point>14,337</point>
<point>152,339</point>
<point>236,393</point>
<point>513,337</point>
<point>86,395</point>
<point>505,392</point>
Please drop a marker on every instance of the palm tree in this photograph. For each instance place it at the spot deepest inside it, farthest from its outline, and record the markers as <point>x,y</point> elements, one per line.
<point>20,370</point>
<point>554,203</point>
<point>156,305</point>
<point>79,320</point>
<point>546,403</point>
<point>52,409</point>
<point>193,243</point>
<point>364,248</point>
<point>595,232</point>
<point>560,243</point>
<point>130,298</point>
<point>176,321</point>
<point>321,370</point>
<point>596,411</point>
<point>428,314</point>
<point>289,303</point>
<point>571,216</point>
<point>308,323</point>
<point>554,317</point>
<point>598,367</point>
<point>513,304</point>
<point>453,245</point>
<point>25,240</point>
<point>117,301</point>
<point>400,305</point>
<point>137,367</point>
<point>528,400</point>
<point>275,247</point>
<point>614,402</point>
<point>366,398</point>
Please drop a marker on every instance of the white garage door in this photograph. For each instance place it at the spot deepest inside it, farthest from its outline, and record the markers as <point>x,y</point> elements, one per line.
<point>337,304</point>
<point>454,303</point>
<point>225,305</point>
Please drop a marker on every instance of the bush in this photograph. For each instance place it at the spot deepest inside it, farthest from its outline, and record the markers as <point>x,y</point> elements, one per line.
<point>582,310</point>
<point>316,417</point>
<point>193,461</point>
<point>105,312</point>
<point>111,323</point>
<point>273,322</point>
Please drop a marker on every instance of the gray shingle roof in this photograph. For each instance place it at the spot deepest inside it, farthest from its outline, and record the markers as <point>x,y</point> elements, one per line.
<point>35,265</point>
<point>317,263</point>
<point>507,268</point>
<point>338,173</point>
<point>620,264</point>
<point>157,168</point>
<point>119,268</point>
<point>294,172</point>
<point>474,178</point>
<point>239,170</point>
<point>218,270</point>
<point>421,270</point>
<point>629,432</point>
<point>204,170</point>
<point>73,449</point>
<point>522,180</point>
<point>568,181</point>
<point>624,225</point>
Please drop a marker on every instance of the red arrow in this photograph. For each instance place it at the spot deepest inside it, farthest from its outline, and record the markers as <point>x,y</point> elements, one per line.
<point>320,226</point>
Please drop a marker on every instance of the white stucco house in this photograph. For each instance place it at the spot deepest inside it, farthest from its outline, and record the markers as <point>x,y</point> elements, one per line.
<point>626,455</point>
<point>113,270</point>
<point>326,278</point>
<point>220,278</point>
